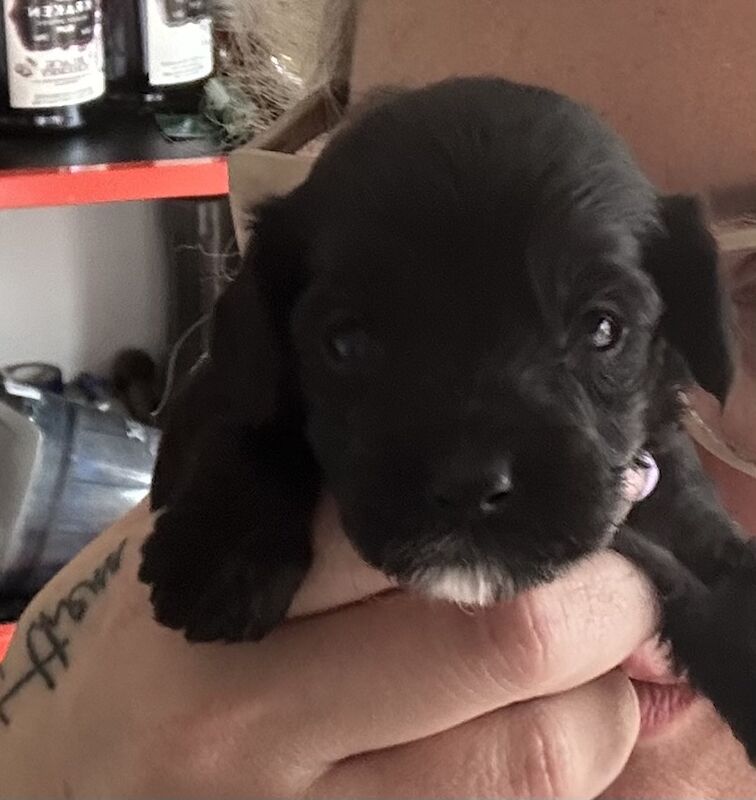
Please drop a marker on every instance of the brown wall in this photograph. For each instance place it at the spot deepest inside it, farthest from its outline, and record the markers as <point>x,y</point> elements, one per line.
<point>677,78</point>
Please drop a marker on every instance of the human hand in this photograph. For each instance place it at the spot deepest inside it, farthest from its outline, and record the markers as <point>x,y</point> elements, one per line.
<point>391,696</point>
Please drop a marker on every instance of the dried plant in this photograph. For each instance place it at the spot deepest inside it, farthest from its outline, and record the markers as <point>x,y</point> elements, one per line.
<point>271,53</point>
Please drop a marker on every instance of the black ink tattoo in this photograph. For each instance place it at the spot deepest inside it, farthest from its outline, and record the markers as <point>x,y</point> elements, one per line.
<point>45,645</point>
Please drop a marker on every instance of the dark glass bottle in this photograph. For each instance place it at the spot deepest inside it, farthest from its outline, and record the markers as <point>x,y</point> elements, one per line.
<point>51,62</point>
<point>159,52</point>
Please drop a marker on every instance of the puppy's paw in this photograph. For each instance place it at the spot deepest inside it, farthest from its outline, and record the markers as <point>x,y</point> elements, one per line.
<point>213,592</point>
<point>734,618</point>
<point>734,697</point>
<point>745,729</point>
<point>237,601</point>
<point>715,639</point>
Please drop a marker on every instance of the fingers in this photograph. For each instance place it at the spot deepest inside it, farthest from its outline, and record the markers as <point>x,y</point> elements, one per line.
<point>398,668</point>
<point>572,744</point>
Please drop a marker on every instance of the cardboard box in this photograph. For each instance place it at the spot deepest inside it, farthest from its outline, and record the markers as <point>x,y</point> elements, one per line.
<point>255,174</point>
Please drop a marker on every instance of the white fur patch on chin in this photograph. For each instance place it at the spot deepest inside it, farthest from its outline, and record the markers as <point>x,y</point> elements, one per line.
<point>469,586</point>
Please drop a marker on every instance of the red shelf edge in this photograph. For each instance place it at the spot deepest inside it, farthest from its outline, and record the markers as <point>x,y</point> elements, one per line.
<point>7,630</point>
<point>109,183</point>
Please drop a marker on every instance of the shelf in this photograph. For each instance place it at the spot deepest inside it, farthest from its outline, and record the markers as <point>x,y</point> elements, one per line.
<point>122,157</point>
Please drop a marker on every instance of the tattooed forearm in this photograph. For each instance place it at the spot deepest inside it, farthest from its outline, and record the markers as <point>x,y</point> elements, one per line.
<point>46,646</point>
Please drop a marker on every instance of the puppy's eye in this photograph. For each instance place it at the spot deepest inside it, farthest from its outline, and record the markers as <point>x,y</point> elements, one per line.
<point>604,330</point>
<point>346,343</point>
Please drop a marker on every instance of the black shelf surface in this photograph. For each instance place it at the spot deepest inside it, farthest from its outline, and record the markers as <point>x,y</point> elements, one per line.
<point>113,137</point>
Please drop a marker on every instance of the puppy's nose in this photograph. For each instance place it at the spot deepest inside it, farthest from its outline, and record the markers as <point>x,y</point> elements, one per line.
<point>483,491</point>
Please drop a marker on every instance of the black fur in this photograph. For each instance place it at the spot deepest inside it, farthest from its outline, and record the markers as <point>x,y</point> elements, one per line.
<point>414,329</point>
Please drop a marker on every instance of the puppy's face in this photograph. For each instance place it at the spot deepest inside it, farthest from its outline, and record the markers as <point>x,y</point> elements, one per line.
<point>476,348</point>
<point>476,310</point>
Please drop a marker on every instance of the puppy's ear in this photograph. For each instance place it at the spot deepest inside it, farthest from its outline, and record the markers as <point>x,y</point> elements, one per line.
<point>682,260</point>
<point>235,476</point>
<point>246,378</point>
<point>250,354</point>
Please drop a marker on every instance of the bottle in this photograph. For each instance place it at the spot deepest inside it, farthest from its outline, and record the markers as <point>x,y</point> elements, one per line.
<point>159,51</point>
<point>51,62</point>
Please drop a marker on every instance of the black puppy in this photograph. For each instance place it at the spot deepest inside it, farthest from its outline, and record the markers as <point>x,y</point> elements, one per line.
<point>468,323</point>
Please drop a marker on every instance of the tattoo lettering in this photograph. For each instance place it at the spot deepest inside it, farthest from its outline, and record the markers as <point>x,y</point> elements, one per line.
<point>46,645</point>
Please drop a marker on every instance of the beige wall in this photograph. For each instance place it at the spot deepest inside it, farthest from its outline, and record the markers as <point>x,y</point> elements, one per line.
<point>677,78</point>
<point>80,282</point>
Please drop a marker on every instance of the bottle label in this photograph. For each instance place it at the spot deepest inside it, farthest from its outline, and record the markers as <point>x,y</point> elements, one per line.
<point>179,41</point>
<point>54,52</point>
